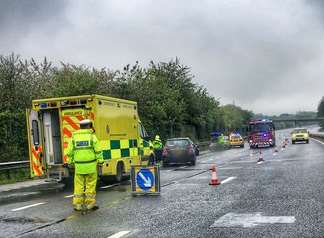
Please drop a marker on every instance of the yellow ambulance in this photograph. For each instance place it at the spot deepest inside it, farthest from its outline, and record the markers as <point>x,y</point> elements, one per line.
<point>51,122</point>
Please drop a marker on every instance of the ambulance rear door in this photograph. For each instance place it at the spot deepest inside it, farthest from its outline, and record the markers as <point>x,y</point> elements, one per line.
<point>37,166</point>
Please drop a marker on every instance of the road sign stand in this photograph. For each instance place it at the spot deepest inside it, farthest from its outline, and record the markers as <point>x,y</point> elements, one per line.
<point>145,180</point>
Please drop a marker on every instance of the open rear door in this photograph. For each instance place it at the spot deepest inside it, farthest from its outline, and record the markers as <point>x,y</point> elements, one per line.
<point>35,144</point>
<point>71,118</point>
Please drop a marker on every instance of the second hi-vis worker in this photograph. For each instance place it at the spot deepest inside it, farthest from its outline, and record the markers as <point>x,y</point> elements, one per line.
<point>84,153</point>
<point>158,147</point>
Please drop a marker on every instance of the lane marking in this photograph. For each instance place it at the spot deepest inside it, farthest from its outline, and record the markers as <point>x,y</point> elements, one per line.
<point>228,180</point>
<point>25,207</point>
<point>318,141</point>
<point>249,220</point>
<point>229,167</point>
<point>110,186</point>
<point>241,161</point>
<point>119,234</point>
<point>69,196</point>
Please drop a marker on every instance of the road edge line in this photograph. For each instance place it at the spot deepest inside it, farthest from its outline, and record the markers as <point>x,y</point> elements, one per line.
<point>317,140</point>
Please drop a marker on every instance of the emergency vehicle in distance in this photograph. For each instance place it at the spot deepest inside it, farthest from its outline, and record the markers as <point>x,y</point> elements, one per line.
<point>122,137</point>
<point>261,133</point>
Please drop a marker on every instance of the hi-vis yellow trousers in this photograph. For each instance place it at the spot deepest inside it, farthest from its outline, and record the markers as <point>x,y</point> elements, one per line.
<point>85,190</point>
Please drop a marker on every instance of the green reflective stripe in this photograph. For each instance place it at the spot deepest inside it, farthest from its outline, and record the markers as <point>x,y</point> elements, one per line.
<point>115,144</point>
<point>106,154</point>
<point>124,148</point>
<point>124,153</point>
<point>85,162</point>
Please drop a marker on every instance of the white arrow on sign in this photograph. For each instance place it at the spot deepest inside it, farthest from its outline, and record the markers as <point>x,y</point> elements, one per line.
<point>248,220</point>
<point>147,181</point>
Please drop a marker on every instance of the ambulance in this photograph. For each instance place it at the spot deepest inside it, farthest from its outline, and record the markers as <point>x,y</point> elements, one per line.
<point>122,137</point>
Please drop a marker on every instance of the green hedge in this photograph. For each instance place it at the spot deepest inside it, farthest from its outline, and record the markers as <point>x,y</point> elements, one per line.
<point>13,138</point>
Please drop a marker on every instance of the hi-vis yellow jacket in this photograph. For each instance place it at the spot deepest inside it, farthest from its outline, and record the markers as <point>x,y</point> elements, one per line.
<point>84,152</point>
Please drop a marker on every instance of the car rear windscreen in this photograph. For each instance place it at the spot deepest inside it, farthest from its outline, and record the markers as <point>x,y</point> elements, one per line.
<point>177,143</point>
<point>300,131</point>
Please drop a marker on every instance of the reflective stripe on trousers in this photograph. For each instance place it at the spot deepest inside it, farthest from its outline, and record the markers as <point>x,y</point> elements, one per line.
<point>85,189</point>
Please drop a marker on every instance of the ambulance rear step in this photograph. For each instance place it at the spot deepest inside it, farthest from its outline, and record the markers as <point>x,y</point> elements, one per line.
<point>57,173</point>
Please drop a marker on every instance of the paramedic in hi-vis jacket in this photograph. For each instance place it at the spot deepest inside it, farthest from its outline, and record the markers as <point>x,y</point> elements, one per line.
<point>84,153</point>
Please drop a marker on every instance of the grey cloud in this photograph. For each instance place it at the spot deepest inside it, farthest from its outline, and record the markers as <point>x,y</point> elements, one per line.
<point>266,55</point>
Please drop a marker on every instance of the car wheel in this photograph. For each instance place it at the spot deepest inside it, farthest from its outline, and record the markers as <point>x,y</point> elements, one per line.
<point>293,142</point>
<point>193,163</point>
<point>307,141</point>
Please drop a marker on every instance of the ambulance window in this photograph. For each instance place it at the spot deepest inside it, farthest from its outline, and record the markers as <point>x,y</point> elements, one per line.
<point>35,132</point>
<point>143,132</point>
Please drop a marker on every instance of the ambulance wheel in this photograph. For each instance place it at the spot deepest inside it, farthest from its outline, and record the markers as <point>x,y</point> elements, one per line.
<point>119,174</point>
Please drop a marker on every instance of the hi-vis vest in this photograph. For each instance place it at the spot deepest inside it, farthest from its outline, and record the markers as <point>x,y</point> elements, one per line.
<point>84,151</point>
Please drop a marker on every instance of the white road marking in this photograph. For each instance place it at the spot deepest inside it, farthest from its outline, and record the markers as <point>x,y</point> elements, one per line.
<point>241,161</point>
<point>25,207</point>
<point>69,196</point>
<point>110,186</point>
<point>261,162</point>
<point>229,167</point>
<point>248,220</point>
<point>318,141</point>
<point>228,180</point>
<point>183,167</point>
<point>119,234</point>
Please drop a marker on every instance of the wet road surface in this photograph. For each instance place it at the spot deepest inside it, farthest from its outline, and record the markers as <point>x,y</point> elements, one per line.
<point>280,197</point>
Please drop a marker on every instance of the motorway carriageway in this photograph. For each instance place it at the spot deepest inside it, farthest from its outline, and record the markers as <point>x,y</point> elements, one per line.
<point>281,197</point>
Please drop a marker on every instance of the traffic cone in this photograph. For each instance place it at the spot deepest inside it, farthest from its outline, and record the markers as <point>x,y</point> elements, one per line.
<point>260,157</point>
<point>214,180</point>
<point>284,145</point>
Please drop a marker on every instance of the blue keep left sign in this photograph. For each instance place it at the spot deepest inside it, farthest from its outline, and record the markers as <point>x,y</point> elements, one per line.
<point>145,179</point>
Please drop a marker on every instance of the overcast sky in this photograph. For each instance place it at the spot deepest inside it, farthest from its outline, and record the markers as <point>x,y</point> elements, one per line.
<point>266,55</point>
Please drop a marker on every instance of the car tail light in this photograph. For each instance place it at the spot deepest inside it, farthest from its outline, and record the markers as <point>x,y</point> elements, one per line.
<point>165,152</point>
<point>190,149</point>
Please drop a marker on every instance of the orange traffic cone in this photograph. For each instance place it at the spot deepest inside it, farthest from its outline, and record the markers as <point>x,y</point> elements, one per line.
<point>214,180</point>
<point>284,145</point>
<point>260,157</point>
